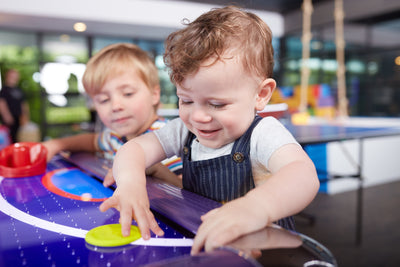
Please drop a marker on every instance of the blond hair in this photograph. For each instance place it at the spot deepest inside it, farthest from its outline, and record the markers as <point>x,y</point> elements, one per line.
<point>116,59</point>
<point>215,32</point>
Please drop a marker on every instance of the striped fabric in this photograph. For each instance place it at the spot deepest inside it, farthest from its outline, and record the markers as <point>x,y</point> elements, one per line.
<point>222,178</point>
<point>109,142</point>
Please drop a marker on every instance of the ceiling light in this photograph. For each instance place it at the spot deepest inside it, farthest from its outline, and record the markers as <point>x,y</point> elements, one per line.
<point>397,60</point>
<point>80,27</point>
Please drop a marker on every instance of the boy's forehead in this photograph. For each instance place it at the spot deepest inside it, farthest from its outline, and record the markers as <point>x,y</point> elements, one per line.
<point>182,88</point>
<point>224,72</point>
<point>227,62</point>
<point>121,70</point>
<point>227,56</point>
<point>120,74</point>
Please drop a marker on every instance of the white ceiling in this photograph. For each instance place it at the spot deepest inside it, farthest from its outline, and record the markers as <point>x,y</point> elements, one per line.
<point>156,19</point>
<point>150,19</point>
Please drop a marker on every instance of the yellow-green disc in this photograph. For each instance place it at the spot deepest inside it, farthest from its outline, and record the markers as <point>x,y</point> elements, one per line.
<point>110,235</point>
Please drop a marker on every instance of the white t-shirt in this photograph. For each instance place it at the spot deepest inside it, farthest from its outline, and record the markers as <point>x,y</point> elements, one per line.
<point>267,137</point>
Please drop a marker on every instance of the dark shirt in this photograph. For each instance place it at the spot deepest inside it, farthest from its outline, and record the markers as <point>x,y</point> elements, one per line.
<point>14,98</point>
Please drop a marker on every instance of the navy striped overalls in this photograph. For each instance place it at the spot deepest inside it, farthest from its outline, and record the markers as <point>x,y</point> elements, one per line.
<point>224,178</point>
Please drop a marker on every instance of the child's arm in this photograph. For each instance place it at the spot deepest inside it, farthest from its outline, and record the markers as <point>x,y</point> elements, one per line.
<point>79,142</point>
<point>162,172</point>
<point>158,170</point>
<point>5,112</point>
<point>130,197</point>
<point>292,186</point>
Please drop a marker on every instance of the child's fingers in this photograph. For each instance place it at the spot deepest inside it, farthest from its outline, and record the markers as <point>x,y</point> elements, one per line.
<point>142,214</point>
<point>210,236</point>
<point>154,225</point>
<point>108,179</point>
<point>255,253</point>
<point>142,220</point>
<point>107,204</point>
<point>198,244</point>
<point>202,233</point>
<point>208,214</point>
<point>126,221</point>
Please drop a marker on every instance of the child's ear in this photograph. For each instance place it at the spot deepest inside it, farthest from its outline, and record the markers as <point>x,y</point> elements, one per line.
<point>156,95</point>
<point>264,93</point>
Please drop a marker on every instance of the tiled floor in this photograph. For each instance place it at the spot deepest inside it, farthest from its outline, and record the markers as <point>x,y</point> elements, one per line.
<point>335,224</point>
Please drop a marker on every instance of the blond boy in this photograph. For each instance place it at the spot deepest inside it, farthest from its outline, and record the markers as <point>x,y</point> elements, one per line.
<point>122,81</point>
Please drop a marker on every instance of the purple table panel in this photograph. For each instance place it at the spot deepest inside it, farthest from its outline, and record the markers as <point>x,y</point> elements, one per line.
<point>178,205</point>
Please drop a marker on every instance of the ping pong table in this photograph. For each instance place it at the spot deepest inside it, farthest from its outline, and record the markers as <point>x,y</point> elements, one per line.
<point>326,132</point>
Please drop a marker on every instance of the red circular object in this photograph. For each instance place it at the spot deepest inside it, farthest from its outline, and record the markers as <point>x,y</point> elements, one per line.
<point>23,159</point>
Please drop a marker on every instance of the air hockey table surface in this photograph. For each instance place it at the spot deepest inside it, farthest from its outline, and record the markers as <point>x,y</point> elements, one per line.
<point>45,218</point>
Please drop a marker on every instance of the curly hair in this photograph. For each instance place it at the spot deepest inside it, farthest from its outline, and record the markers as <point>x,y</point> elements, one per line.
<point>214,33</point>
<point>117,59</point>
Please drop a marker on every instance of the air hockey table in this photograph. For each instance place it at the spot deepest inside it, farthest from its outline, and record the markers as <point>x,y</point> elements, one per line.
<point>44,220</point>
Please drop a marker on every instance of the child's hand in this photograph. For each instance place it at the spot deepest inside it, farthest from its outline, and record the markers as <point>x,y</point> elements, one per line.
<point>109,179</point>
<point>52,149</point>
<point>132,202</point>
<point>223,225</point>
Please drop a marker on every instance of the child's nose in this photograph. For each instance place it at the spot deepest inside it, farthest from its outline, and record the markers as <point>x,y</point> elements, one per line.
<point>116,103</point>
<point>200,114</point>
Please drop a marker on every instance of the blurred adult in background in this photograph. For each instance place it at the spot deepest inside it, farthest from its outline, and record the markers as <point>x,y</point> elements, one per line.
<point>14,110</point>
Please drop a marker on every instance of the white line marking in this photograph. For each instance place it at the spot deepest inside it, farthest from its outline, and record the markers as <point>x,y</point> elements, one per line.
<point>12,211</point>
